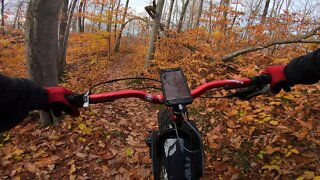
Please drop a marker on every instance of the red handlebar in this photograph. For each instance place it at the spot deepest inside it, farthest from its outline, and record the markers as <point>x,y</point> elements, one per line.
<point>158,99</point>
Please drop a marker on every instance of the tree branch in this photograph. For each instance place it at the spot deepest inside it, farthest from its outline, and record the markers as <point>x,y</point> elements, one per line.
<point>300,39</point>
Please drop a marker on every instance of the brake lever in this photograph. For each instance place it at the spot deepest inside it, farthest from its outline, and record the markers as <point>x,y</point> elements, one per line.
<point>251,92</point>
<point>76,99</point>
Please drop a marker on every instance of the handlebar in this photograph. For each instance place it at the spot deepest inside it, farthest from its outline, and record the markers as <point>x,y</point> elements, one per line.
<point>257,86</point>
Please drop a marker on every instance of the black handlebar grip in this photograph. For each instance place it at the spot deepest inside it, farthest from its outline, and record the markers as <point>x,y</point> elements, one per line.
<point>261,80</point>
<point>75,99</point>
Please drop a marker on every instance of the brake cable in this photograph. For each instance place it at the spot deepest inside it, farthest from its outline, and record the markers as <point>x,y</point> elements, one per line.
<point>122,79</point>
<point>185,118</point>
<point>250,92</point>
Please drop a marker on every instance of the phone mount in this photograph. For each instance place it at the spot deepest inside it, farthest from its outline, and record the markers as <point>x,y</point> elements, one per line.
<point>175,87</point>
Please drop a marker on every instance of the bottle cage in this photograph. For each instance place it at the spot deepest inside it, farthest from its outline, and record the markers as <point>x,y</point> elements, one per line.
<point>192,142</point>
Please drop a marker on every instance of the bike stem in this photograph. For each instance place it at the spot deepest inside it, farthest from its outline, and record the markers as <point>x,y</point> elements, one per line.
<point>177,112</point>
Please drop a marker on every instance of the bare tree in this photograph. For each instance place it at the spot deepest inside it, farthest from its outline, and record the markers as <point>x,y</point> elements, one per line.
<point>253,7</point>
<point>64,31</point>
<point>17,14</point>
<point>81,18</point>
<point>265,11</point>
<point>279,7</point>
<point>154,33</point>
<point>124,16</point>
<point>101,12</point>
<point>109,25</point>
<point>192,10</point>
<point>2,17</point>
<point>199,12</point>
<point>210,17</point>
<point>169,14</point>
<point>288,4</point>
<point>62,28</point>
<point>183,13</point>
<point>116,20</point>
<point>236,15</point>
<point>273,8</point>
<point>42,45</point>
<point>225,6</point>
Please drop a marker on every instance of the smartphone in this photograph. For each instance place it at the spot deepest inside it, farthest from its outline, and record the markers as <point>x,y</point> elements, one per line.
<point>175,87</point>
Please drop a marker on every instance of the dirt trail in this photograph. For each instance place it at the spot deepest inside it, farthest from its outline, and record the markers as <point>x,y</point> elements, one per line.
<point>128,121</point>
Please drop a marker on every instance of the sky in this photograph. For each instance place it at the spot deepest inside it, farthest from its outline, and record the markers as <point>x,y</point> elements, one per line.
<point>138,5</point>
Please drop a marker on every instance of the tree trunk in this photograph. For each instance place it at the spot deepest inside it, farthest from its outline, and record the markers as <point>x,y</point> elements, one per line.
<point>170,14</point>
<point>42,45</point>
<point>199,12</point>
<point>183,13</point>
<point>84,14</point>
<point>81,17</point>
<point>116,20</point>
<point>154,33</point>
<point>191,14</point>
<point>273,8</point>
<point>235,16</point>
<point>118,41</point>
<point>279,7</point>
<point>265,11</point>
<point>225,4</point>
<point>64,37</point>
<point>210,16</point>
<point>109,27</point>
<point>62,32</point>
<point>2,17</point>
<point>288,4</point>
<point>17,15</point>
<point>101,12</point>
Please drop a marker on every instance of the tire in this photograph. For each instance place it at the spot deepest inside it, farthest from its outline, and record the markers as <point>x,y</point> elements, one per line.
<point>175,161</point>
<point>164,118</point>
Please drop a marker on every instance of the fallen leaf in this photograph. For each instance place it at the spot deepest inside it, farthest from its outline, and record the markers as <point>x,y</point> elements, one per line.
<point>220,166</point>
<point>30,167</point>
<point>308,174</point>
<point>129,152</point>
<point>270,167</point>
<point>273,122</point>
<point>72,169</point>
<point>46,161</point>
<point>81,155</point>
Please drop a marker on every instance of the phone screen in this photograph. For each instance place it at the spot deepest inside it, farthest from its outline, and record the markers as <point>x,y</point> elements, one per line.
<point>175,86</point>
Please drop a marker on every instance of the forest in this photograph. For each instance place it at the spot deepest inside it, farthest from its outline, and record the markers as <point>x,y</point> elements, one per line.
<point>79,43</point>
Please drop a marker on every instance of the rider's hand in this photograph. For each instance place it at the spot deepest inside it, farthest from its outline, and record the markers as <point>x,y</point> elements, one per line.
<point>279,81</point>
<point>58,102</point>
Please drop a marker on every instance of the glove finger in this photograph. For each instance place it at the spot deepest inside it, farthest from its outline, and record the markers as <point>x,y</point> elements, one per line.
<point>57,109</point>
<point>276,89</point>
<point>57,113</point>
<point>287,88</point>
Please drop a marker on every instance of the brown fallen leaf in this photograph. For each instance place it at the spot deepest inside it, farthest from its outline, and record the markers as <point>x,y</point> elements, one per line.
<point>47,161</point>
<point>271,150</point>
<point>81,155</point>
<point>107,155</point>
<point>141,173</point>
<point>30,167</point>
<point>220,166</point>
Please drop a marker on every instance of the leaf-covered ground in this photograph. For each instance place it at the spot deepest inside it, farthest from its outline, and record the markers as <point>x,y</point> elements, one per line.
<point>270,137</point>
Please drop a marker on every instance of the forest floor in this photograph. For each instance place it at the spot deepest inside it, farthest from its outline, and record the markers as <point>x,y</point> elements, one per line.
<point>271,137</point>
<point>105,141</point>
